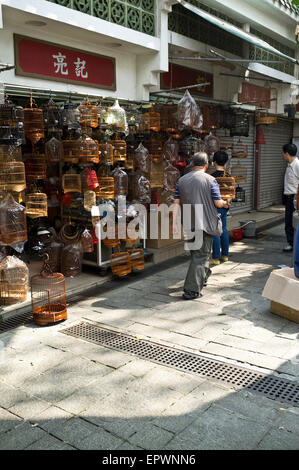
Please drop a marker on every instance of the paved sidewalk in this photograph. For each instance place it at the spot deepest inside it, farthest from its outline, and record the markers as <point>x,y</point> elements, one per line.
<point>59,392</point>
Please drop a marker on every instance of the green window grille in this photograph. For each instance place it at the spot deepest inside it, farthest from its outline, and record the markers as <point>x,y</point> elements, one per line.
<point>189,24</point>
<point>256,52</point>
<point>134,14</point>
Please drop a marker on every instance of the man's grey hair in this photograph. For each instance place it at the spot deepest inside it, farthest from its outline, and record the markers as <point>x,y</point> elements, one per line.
<point>200,159</point>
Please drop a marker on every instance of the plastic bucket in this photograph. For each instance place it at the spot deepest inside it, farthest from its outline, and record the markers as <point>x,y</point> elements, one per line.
<point>249,228</point>
<point>237,234</point>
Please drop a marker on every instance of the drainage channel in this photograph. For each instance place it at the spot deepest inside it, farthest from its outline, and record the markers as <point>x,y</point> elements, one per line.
<point>14,322</point>
<point>268,385</point>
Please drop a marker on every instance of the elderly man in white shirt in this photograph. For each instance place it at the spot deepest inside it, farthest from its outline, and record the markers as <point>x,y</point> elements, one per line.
<point>291,182</point>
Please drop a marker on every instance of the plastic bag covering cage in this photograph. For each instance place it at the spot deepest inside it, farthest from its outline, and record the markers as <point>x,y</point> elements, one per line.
<point>239,150</point>
<point>239,172</point>
<point>116,118</point>
<point>189,145</point>
<point>86,240</point>
<point>13,280</point>
<point>136,259</point>
<point>71,150</point>
<point>171,176</point>
<point>52,117</point>
<point>120,181</point>
<point>71,183</point>
<point>119,150</point>
<point>157,175</point>
<point>155,148</point>
<point>71,116</point>
<point>36,167</point>
<point>106,153</point>
<point>12,176</point>
<point>88,114</point>
<point>13,227</point>
<point>171,150</point>
<point>120,263</point>
<point>71,264</point>
<point>48,296</point>
<point>142,159</point>
<point>10,153</point>
<point>11,124</point>
<point>53,150</point>
<point>89,150</point>
<point>89,200</point>
<point>106,187</point>
<point>227,187</point>
<point>241,125</point>
<point>189,114</point>
<point>34,122</point>
<point>141,189</point>
<point>264,118</point>
<point>36,205</point>
<point>212,143</point>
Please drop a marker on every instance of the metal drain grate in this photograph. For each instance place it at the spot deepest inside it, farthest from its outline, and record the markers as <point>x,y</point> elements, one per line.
<point>16,321</point>
<point>268,385</point>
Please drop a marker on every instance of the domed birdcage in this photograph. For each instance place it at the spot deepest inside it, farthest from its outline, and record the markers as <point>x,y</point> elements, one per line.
<point>155,148</point>
<point>116,118</point>
<point>151,120</point>
<point>13,226</point>
<point>189,145</point>
<point>34,122</point>
<point>48,296</point>
<point>13,280</point>
<point>239,150</point>
<point>239,172</point>
<point>136,259</point>
<point>36,205</point>
<point>120,181</point>
<point>141,188</point>
<point>36,167</point>
<point>71,150</point>
<point>88,114</point>
<point>120,263</point>
<point>171,176</point>
<point>156,175</point>
<point>89,150</point>
<point>106,187</point>
<point>171,150</point>
<point>119,150</point>
<point>106,153</point>
<point>71,116</point>
<point>71,183</point>
<point>53,150</point>
<point>52,118</point>
<point>90,200</point>
<point>142,160</point>
<point>212,143</point>
<point>168,117</point>
<point>227,186</point>
<point>12,176</point>
<point>11,124</point>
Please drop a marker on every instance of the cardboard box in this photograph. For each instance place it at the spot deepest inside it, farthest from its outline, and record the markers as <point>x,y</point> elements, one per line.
<point>282,288</point>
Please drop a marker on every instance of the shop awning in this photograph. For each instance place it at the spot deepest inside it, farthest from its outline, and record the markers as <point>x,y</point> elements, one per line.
<point>234,30</point>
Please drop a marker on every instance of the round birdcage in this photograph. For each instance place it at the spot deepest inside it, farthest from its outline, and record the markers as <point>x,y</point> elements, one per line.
<point>168,117</point>
<point>11,124</point>
<point>119,150</point>
<point>71,150</point>
<point>155,148</point>
<point>90,200</point>
<point>239,150</point>
<point>156,175</point>
<point>227,186</point>
<point>88,114</point>
<point>71,183</point>
<point>142,159</point>
<point>13,280</point>
<point>153,118</point>
<point>89,150</point>
<point>120,263</point>
<point>106,187</point>
<point>189,145</point>
<point>36,168</point>
<point>36,205</point>
<point>13,226</point>
<point>106,153</point>
<point>71,116</point>
<point>34,122</point>
<point>239,172</point>
<point>48,296</point>
<point>53,150</point>
<point>120,181</point>
<point>12,176</point>
<point>212,143</point>
<point>52,117</point>
<point>136,259</point>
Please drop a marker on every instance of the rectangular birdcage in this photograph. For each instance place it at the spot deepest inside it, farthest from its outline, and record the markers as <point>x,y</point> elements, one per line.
<point>227,187</point>
<point>36,205</point>
<point>106,188</point>
<point>71,183</point>
<point>13,281</point>
<point>120,263</point>
<point>12,176</point>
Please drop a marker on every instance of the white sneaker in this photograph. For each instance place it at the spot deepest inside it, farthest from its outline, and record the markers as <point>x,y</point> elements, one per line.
<point>288,248</point>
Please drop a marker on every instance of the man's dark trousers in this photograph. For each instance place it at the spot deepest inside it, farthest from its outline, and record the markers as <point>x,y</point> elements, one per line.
<point>289,204</point>
<point>199,270</point>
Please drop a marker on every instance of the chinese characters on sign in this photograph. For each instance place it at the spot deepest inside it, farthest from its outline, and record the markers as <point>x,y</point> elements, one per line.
<point>41,59</point>
<point>252,94</point>
<point>179,76</point>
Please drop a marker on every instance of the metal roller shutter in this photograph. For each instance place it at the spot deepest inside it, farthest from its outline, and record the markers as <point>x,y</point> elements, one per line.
<point>273,166</point>
<point>248,162</point>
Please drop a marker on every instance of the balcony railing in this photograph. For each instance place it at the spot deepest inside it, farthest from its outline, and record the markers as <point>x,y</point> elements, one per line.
<point>134,14</point>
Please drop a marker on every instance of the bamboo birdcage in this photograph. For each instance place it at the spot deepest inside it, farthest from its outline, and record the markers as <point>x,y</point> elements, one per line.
<point>48,296</point>
<point>137,259</point>
<point>89,200</point>
<point>239,150</point>
<point>119,150</point>
<point>168,117</point>
<point>36,168</point>
<point>71,150</point>
<point>156,175</point>
<point>108,241</point>
<point>120,263</point>
<point>52,117</point>
<point>263,117</point>
<point>71,116</point>
<point>150,121</point>
<point>155,148</point>
<point>71,183</point>
<point>106,187</point>
<point>13,226</point>
<point>11,124</point>
<point>106,153</point>
<point>13,281</point>
<point>227,118</point>
<point>36,205</point>
<point>33,122</point>
<point>227,187</point>
<point>89,150</point>
<point>239,172</point>
<point>53,150</point>
<point>12,176</point>
<point>88,114</point>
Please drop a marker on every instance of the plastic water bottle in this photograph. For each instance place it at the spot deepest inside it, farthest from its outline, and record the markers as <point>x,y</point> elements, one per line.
<point>296,253</point>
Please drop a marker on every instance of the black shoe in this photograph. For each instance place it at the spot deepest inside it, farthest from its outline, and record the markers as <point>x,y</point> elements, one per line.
<point>190,295</point>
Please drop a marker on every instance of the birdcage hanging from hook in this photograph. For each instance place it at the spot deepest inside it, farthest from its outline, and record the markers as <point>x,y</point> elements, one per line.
<point>33,122</point>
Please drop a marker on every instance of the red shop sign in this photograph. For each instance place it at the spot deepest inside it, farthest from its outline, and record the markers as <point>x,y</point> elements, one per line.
<point>41,59</point>
<point>256,95</point>
<point>179,76</point>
